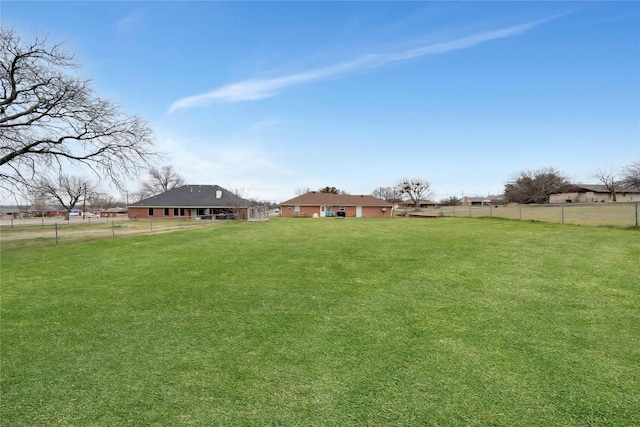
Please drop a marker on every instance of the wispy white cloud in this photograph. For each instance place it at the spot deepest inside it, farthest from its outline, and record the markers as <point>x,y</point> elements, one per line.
<point>127,24</point>
<point>260,88</point>
<point>242,159</point>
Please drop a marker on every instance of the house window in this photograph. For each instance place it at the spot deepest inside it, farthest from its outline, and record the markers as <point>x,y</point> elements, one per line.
<point>176,212</point>
<point>150,211</point>
<point>181,211</point>
<point>166,211</point>
<point>288,208</point>
<point>342,208</point>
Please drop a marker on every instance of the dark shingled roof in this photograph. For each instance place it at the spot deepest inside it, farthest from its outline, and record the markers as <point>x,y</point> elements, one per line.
<point>194,196</point>
<point>315,198</point>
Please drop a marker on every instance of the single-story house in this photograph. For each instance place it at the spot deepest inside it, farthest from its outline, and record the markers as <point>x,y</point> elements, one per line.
<point>329,205</point>
<point>113,212</point>
<point>594,193</point>
<point>191,202</point>
<point>27,211</point>
<point>14,211</point>
<point>481,201</point>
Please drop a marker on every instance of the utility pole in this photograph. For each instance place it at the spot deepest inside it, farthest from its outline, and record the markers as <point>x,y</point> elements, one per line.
<point>84,201</point>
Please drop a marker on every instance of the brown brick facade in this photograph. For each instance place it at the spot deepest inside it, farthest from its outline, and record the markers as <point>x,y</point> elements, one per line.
<point>350,211</point>
<point>159,213</point>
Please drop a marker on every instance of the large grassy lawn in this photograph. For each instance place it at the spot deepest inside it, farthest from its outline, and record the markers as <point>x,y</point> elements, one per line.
<point>327,322</point>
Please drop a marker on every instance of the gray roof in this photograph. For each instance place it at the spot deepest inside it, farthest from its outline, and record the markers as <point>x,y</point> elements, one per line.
<point>193,196</point>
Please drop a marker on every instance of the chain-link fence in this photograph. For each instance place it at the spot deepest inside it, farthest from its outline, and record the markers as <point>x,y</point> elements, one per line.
<point>39,232</point>
<point>602,214</point>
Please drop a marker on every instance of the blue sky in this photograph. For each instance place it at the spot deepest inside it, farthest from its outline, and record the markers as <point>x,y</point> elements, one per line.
<point>274,97</point>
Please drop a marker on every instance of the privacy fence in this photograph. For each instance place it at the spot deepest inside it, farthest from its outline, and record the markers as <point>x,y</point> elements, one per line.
<point>597,214</point>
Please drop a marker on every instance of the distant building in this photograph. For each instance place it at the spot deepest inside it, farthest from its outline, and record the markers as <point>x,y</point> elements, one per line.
<point>330,205</point>
<point>27,211</point>
<point>14,211</point>
<point>482,201</point>
<point>594,193</point>
<point>113,212</point>
<point>191,201</point>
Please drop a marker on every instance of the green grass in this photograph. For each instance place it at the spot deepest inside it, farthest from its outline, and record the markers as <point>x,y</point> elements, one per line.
<point>35,235</point>
<point>621,214</point>
<point>438,322</point>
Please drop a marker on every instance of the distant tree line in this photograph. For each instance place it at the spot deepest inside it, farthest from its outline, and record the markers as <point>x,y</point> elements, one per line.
<point>536,186</point>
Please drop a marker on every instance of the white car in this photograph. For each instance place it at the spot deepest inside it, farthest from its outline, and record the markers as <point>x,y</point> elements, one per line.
<point>91,215</point>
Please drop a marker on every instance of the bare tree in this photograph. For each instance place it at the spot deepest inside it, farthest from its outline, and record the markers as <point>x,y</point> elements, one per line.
<point>51,120</point>
<point>609,178</point>
<point>101,201</point>
<point>67,190</point>
<point>301,191</point>
<point>534,186</point>
<point>388,194</point>
<point>136,196</point>
<point>416,188</point>
<point>450,201</point>
<point>39,202</point>
<point>236,199</point>
<point>162,179</point>
<point>631,175</point>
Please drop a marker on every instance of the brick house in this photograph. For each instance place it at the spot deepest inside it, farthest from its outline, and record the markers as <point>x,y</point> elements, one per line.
<point>329,205</point>
<point>191,202</point>
<point>114,212</point>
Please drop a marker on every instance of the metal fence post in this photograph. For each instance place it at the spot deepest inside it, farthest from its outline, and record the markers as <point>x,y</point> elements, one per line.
<point>56,234</point>
<point>113,229</point>
<point>563,215</point>
<point>636,214</point>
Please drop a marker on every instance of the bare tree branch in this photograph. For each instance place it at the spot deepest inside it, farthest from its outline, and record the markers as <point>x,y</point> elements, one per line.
<point>631,175</point>
<point>609,178</point>
<point>389,194</point>
<point>67,190</point>
<point>51,120</point>
<point>416,188</point>
<point>162,179</point>
<point>534,186</point>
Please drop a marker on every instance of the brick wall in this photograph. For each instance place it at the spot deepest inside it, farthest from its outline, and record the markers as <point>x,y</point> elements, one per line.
<point>350,211</point>
<point>158,213</point>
